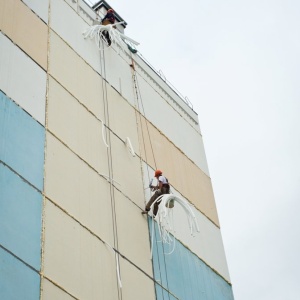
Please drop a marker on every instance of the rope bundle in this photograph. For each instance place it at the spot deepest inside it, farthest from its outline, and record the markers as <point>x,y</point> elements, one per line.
<point>165,220</point>
<point>96,32</point>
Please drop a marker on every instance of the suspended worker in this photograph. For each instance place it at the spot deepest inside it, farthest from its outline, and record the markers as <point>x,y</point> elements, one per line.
<point>109,18</point>
<point>161,188</point>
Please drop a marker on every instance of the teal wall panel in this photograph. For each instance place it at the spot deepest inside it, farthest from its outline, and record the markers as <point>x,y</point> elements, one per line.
<point>185,275</point>
<point>20,217</point>
<point>17,281</point>
<point>22,142</point>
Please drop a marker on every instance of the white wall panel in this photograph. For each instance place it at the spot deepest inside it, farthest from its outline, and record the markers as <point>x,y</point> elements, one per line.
<point>70,29</point>
<point>40,7</point>
<point>174,126</point>
<point>119,72</point>
<point>207,244</point>
<point>22,79</point>
<point>78,189</point>
<point>77,260</point>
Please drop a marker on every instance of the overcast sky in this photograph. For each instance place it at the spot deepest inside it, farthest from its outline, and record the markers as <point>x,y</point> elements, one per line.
<point>239,64</point>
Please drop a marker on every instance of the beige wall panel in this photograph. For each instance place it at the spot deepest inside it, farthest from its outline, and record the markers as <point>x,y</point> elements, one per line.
<point>22,26</point>
<point>136,285</point>
<point>133,234</point>
<point>77,127</point>
<point>183,174</point>
<point>70,29</point>
<point>127,172</point>
<point>78,189</point>
<point>172,124</point>
<point>40,7</point>
<point>77,260</point>
<point>30,93</point>
<point>75,74</point>
<point>122,118</point>
<point>52,292</point>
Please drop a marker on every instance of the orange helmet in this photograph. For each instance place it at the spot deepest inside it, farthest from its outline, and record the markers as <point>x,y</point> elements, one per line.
<point>157,173</point>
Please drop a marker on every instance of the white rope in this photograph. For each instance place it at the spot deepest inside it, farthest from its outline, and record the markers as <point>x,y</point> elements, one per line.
<point>129,146</point>
<point>165,219</point>
<point>96,32</point>
<point>109,179</point>
<point>103,133</point>
<point>118,264</point>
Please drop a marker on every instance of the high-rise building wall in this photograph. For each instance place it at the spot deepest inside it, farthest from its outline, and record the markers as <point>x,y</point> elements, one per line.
<point>71,191</point>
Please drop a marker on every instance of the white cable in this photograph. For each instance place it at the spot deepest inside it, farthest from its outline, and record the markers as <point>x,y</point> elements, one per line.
<point>165,220</point>
<point>129,146</point>
<point>96,32</point>
<point>118,264</point>
<point>109,179</point>
<point>103,133</point>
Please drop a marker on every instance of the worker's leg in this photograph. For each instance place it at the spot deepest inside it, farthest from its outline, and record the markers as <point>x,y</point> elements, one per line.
<point>152,199</point>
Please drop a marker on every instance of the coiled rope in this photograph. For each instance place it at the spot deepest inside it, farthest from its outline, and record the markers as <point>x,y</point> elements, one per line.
<point>165,220</point>
<point>96,32</point>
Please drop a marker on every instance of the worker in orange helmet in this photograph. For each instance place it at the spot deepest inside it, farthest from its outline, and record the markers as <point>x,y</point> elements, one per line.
<point>108,19</point>
<point>161,188</point>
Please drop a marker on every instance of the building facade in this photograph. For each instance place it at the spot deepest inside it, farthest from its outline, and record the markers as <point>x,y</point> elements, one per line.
<point>80,138</point>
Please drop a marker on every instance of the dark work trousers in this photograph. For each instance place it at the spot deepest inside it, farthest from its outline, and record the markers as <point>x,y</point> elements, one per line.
<point>164,190</point>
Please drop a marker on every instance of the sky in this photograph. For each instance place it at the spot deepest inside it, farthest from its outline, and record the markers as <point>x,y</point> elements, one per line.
<point>238,62</point>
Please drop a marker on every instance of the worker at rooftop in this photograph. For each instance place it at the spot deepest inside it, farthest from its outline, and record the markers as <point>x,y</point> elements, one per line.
<point>108,19</point>
<point>161,188</point>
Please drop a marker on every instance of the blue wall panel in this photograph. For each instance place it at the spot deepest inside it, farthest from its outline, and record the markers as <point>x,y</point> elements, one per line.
<point>22,142</point>
<point>20,217</point>
<point>185,275</point>
<point>17,281</point>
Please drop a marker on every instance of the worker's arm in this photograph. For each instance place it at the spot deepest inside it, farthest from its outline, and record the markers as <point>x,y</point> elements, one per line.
<point>158,187</point>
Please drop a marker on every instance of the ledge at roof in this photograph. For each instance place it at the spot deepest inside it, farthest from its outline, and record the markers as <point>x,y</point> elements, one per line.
<point>103,3</point>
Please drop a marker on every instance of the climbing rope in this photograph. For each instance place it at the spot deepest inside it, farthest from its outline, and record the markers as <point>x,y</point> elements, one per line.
<point>110,167</point>
<point>139,113</point>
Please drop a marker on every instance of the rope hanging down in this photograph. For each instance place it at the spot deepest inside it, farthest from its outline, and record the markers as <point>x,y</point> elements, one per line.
<point>164,219</point>
<point>97,32</point>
